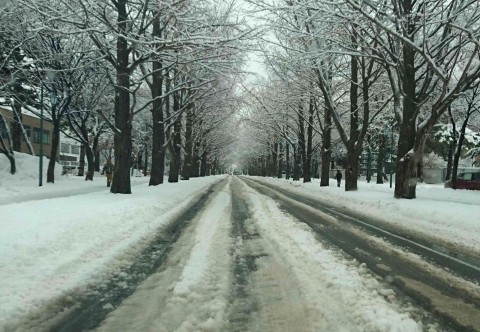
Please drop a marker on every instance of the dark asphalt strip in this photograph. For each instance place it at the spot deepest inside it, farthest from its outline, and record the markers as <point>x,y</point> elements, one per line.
<point>92,308</point>
<point>454,308</point>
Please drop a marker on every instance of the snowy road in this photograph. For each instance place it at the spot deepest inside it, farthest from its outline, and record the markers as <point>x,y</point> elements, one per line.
<point>243,265</point>
<point>247,257</point>
<point>440,280</point>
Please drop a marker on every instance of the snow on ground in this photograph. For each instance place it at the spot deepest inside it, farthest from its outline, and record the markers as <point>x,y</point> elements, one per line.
<point>341,293</point>
<point>191,292</point>
<point>450,215</point>
<point>51,245</point>
<point>24,184</point>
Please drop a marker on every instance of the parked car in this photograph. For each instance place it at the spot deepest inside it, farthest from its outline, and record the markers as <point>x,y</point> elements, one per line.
<point>466,180</point>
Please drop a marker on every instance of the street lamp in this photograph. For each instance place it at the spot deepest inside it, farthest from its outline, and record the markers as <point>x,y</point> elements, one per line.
<point>41,138</point>
<point>369,159</point>
<point>53,103</point>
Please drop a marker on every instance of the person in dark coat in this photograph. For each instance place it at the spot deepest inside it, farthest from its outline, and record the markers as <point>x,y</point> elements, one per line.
<point>108,171</point>
<point>338,177</point>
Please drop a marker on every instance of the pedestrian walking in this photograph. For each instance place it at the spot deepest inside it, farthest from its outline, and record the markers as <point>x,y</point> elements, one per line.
<point>108,171</point>
<point>338,177</point>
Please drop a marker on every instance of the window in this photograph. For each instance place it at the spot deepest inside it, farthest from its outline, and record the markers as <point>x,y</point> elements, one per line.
<point>65,148</point>
<point>36,136</point>
<point>75,149</point>
<point>465,176</point>
<point>46,137</point>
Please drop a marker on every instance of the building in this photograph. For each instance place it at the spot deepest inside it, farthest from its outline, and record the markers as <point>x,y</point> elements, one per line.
<point>70,155</point>
<point>31,124</point>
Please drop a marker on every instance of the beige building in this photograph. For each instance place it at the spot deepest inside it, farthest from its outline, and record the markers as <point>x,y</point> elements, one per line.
<point>31,123</point>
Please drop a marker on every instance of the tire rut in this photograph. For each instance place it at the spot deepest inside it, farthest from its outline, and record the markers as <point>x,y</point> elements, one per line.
<point>242,304</point>
<point>91,307</point>
<point>424,288</point>
<point>266,295</point>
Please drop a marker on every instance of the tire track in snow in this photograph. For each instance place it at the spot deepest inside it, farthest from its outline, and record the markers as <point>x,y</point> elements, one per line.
<point>85,309</point>
<point>266,295</point>
<point>242,304</point>
<point>451,300</point>
<point>190,292</point>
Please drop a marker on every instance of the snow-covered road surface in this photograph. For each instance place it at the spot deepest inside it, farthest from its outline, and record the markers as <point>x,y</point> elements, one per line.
<point>239,261</point>
<point>247,266</point>
<point>442,283</point>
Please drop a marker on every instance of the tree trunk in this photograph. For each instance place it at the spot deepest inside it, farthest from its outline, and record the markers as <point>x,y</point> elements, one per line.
<point>195,171</point>
<point>187,161</point>
<point>351,172</point>
<point>123,116</point>
<point>158,149</point>
<point>139,161</point>
<point>307,166</point>
<point>380,159</point>
<point>81,166</point>
<point>302,147</point>
<point>145,166</point>
<point>11,159</point>
<point>353,145</point>
<point>296,162</point>
<point>97,160</point>
<point>17,126</point>
<point>7,150</point>
<point>458,151</point>
<point>406,172</point>
<point>91,163</point>
<point>274,160</point>
<point>214,167</point>
<point>203,165</point>
<point>53,151</point>
<point>326,153</point>
<point>175,162</point>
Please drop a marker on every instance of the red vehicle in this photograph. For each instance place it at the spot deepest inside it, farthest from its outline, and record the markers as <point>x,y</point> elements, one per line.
<point>466,180</point>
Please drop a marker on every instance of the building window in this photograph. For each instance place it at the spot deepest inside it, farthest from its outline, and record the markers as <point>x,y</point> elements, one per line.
<point>46,137</point>
<point>65,148</point>
<point>75,149</point>
<point>36,136</point>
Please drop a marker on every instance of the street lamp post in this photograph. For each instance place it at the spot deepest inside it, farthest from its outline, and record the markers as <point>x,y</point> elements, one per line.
<point>41,139</point>
<point>369,160</point>
<point>391,154</point>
